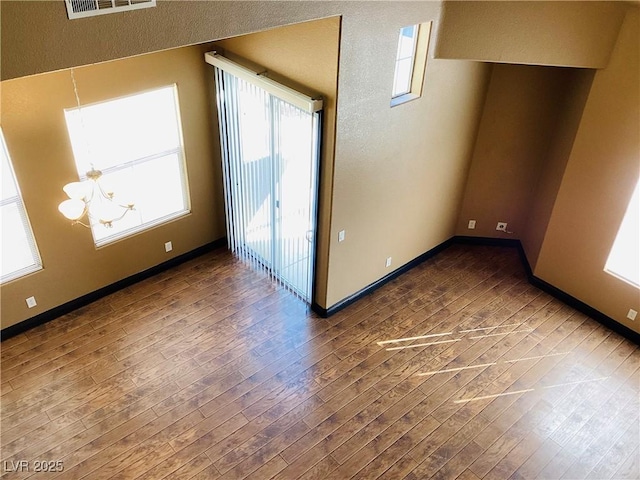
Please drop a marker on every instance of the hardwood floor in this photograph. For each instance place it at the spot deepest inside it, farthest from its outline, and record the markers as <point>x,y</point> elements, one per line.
<point>458,369</point>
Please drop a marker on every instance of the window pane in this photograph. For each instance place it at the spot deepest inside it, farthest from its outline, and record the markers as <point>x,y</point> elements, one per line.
<point>152,185</point>
<point>125,129</point>
<point>405,60</point>
<point>16,249</point>
<point>156,187</point>
<point>19,252</point>
<point>624,259</point>
<point>8,185</point>
<point>402,82</point>
<point>407,41</point>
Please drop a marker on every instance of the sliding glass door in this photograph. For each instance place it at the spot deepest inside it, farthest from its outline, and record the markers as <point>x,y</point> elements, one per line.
<point>270,166</point>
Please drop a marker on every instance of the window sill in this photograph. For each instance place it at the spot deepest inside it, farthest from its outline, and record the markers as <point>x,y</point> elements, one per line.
<point>106,241</point>
<point>622,278</point>
<point>23,272</point>
<point>400,99</point>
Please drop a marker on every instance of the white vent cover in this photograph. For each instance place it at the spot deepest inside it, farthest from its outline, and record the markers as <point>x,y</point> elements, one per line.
<point>90,8</point>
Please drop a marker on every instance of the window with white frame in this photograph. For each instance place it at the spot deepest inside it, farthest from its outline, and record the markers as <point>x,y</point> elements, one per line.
<point>624,258</point>
<point>136,142</point>
<point>19,251</point>
<point>405,57</point>
<point>411,57</point>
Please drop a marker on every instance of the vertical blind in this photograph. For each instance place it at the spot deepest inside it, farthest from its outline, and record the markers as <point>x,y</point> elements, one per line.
<point>270,150</point>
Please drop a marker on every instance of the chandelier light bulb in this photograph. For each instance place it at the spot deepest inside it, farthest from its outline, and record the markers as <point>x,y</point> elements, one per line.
<point>76,190</point>
<point>73,208</point>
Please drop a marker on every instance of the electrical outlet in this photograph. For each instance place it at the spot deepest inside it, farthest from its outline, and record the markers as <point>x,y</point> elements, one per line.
<point>341,235</point>
<point>31,302</point>
<point>168,246</point>
<point>388,262</point>
<point>632,314</point>
<point>502,226</point>
<point>472,224</point>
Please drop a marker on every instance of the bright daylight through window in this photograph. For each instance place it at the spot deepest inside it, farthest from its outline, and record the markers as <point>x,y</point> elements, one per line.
<point>624,258</point>
<point>404,60</point>
<point>19,252</point>
<point>136,142</point>
<point>411,59</point>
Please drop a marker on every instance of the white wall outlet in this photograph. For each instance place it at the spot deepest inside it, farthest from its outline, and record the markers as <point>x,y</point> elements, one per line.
<point>31,302</point>
<point>502,226</point>
<point>472,224</point>
<point>341,235</point>
<point>388,262</point>
<point>168,246</point>
<point>632,314</point>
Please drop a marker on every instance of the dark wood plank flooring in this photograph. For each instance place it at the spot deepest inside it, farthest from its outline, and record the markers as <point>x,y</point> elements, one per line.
<point>458,369</point>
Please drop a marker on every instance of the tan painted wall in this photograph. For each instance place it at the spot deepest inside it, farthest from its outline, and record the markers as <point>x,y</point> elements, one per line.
<point>399,172</point>
<point>566,124</point>
<point>285,52</point>
<point>47,94</point>
<point>561,33</point>
<point>37,139</point>
<point>602,170</point>
<point>519,119</point>
<point>36,36</point>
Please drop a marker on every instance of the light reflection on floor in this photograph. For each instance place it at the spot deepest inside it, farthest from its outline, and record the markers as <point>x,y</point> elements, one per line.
<point>486,397</point>
<point>422,344</point>
<point>498,334</point>
<point>424,374</point>
<point>420,337</point>
<point>409,339</point>
<point>483,365</point>
<point>491,328</point>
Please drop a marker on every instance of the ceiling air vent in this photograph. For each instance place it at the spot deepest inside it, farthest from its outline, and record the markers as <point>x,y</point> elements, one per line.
<point>90,8</point>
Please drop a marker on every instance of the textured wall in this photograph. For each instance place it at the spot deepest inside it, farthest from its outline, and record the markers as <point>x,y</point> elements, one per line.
<point>601,173</point>
<point>570,107</point>
<point>398,173</point>
<point>562,33</point>
<point>519,124</point>
<point>36,36</point>
<point>35,130</point>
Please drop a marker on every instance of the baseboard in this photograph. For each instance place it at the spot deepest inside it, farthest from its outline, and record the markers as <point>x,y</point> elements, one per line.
<point>561,295</point>
<point>579,305</point>
<point>493,242</point>
<point>589,311</point>
<point>327,312</point>
<point>79,302</point>
<point>499,242</point>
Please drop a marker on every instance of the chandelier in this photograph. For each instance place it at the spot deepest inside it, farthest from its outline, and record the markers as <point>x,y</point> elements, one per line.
<point>90,198</point>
